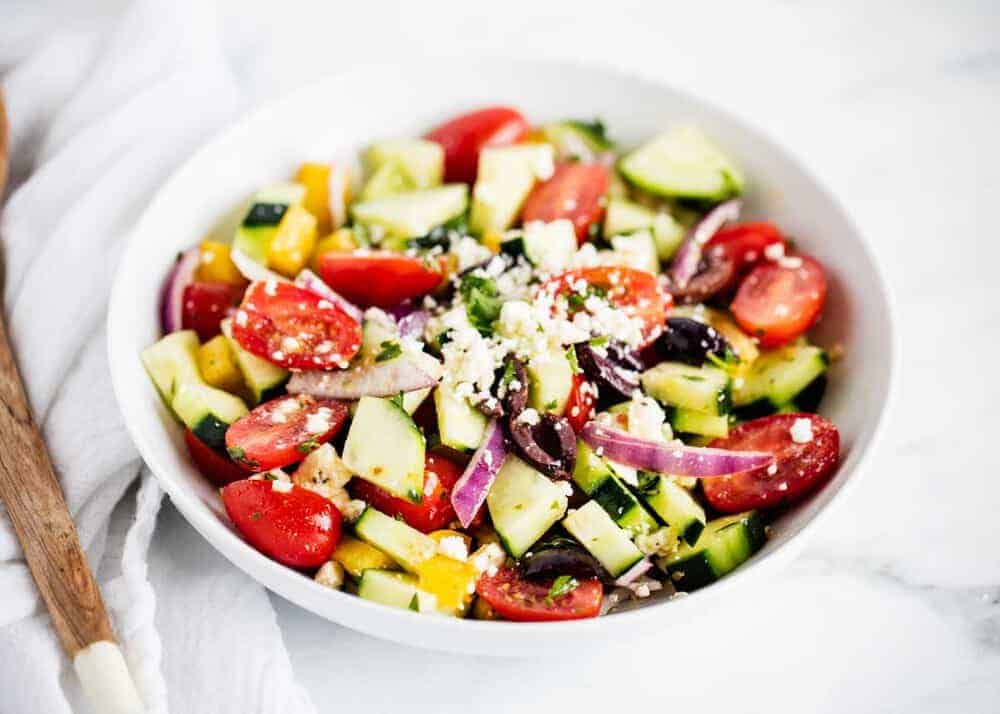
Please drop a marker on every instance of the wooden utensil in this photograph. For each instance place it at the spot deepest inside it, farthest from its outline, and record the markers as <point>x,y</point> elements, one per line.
<point>37,509</point>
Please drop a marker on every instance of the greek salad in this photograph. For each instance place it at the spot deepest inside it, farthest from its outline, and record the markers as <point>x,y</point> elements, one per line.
<point>502,371</point>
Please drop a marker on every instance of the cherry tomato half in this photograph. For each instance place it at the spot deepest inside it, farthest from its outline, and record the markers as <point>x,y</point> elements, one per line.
<point>745,243</point>
<point>206,305</point>
<point>574,192</point>
<point>516,598</point>
<point>636,292</point>
<point>800,466</point>
<point>434,511</point>
<point>213,465</point>
<point>465,136</point>
<point>780,300</point>
<point>287,523</point>
<point>283,431</point>
<point>580,405</point>
<point>382,279</point>
<point>295,328</point>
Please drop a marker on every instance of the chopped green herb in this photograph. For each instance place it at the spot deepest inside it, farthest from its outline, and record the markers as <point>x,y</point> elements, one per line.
<point>307,447</point>
<point>693,377</point>
<point>595,130</point>
<point>601,341</point>
<point>562,585</point>
<point>390,350</point>
<point>270,476</point>
<point>397,399</point>
<point>482,301</point>
<point>571,358</point>
<point>415,603</point>
<point>508,373</point>
<point>550,406</point>
<point>238,455</point>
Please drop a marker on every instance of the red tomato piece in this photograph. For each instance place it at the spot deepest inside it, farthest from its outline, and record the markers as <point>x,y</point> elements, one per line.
<point>296,527</point>
<point>580,405</point>
<point>745,243</point>
<point>434,511</point>
<point>294,328</point>
<point>283,431</point>
<point>206,305</point>
<point>574,192</point>
<point>216,467</point>
<point>516,598</point>
<point>800,466</point>
<point>636,292</point>
<point>463,137</point>
<point>383,279</point>
<point>780,300</point>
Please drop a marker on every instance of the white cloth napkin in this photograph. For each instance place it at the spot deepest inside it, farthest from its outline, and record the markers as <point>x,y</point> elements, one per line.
<point>100,115</point>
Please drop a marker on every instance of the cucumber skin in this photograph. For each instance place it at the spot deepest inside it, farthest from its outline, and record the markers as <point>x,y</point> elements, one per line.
<point>211,431</point>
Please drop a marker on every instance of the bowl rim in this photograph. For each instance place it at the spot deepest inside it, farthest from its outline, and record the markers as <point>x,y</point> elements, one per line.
<point>301,590</point>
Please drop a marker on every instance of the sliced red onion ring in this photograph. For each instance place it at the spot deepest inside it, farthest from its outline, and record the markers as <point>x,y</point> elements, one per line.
<point>470,491</point>
<point>679,460</point>
<point>172,298</point>
<point>313,283</point>
<point>414,324</point>
<point>685,263</point>
<point>380,379</point>
<point>633,573</point>
<point>252,270</point>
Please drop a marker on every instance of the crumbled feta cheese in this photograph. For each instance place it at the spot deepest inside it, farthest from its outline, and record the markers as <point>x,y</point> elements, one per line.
<point>566,487</point>
<point>331,574</point>
<point>319,421</point>
<point>801,431</point>
<point>488,558</point>
<point>772,469</point>
<point>453,547</point>
<point>775,251</point>
<point>281,486</point>
<point>528,416</point>
<point>241,318</point>
<point>791,262</point>
<point>468,251</point>
<point>662,541</point>
<point>271,288</point>
<point>645,417</point>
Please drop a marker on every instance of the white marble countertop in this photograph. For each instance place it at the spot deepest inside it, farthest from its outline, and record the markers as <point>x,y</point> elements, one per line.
<point>895,604</point>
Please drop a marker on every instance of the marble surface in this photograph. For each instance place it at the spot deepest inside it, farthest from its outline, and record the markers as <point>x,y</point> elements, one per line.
<point>895,604</point>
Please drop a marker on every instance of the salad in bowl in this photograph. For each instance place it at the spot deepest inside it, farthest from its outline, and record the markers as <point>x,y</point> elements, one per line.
<point>504,370</point>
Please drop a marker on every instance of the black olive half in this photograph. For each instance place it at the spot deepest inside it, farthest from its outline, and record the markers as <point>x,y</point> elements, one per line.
<point>716,273</point>
<point>549,445</point>
<point>690,341</point>
<point>561,556</point>
<point>607,372</point>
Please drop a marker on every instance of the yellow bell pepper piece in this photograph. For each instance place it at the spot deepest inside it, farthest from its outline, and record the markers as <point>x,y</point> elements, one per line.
<point>340,241</point>
<point>356,556</point>
<point>293,242</point>
<point>492,239</point>
<point>218,367</point>
<point>216,265</point>
<point>452,581</point>
<point>316,179</point>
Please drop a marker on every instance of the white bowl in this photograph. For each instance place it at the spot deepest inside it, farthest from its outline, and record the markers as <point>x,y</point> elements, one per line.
<point>346,112</point>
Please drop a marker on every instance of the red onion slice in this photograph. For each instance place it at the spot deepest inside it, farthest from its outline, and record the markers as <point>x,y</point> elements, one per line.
<point>252,270</point>
<point>633,573</point>
<point>414,324</point>
<point>470,491</point>
<point>685,263</point>
<point>313,283</point>
<point>379,379</point>
<point>172,298</point>
<point>679,460</point>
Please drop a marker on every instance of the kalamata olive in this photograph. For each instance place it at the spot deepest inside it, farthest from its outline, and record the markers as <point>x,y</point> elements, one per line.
<point>549,445</point>
<point>512,387</point>
<point>624,357</point>
<point>690,341</point>
<point>604,371</point>
<point>716,272</point>
<point>561,556</point>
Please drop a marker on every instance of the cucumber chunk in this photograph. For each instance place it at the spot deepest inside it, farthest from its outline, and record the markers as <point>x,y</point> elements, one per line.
<point>592,526</point>
<point>636,250</point>
<point>673,504</point>
<point>389,179</point>
<point>264,379</point>
<point>385,447</point>
<point>460,425</point>
<point>778,376</point>
<point>401,542</point>
<point>683,163</point>
<point>267,208</point>
<point>551,381</point>
<point>725,544</point>
<point>207,411</point>
<point>396,590</point>
<point>505,178</point>
<point>688,421</point>
<point>704,389</point>
<point>624,217</point>
<point>523,505</point>
<point>420,159</point>
<point>597,479</point>
<point>172,361</point>
<point>576,140</point>
<point>547,246</point>
<point>413,213</point>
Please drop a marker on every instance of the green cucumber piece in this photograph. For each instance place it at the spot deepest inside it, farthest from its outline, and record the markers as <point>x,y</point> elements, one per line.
<point>778,376</point>
<point>725,544</point>
<point>576,139</point>
<point>207,412</point>
<point>550,379</point>
<point>389,179</point>
<point>399,468</point>
<point>264,379</point>
<point>624,217</point>
<point>389,587</point>
<point>592,526</point>
<point>505,178</point>
<point>460,425</point>
<point>420,159</point>
<point>704,389</point>
<point>401,542</point>
<point>598,480</point>
<point>414,213</point>
<point>683,163</point>
<point>547,246</point>
<point>523,504</point>
<point>673,504</point>
<point>688,421</point>
<point>267,208</point>
<point>637,250</point>
<point>172,361</point>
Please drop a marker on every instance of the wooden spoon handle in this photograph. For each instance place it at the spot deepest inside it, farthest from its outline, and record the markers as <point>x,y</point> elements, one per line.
<point>31,492</point>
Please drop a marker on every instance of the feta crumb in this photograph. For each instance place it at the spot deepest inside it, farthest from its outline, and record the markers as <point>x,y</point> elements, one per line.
<point>271,288</point>
<point>281,486</point>
<point>529,416</point>
<point>331,574</point>
<point>801,431</point>
<point>241,318</point>
<point>566,487</point>
<point>775,251</point>
<point>453,547</point>
<point>772,469</point>
<point>488,558</point>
